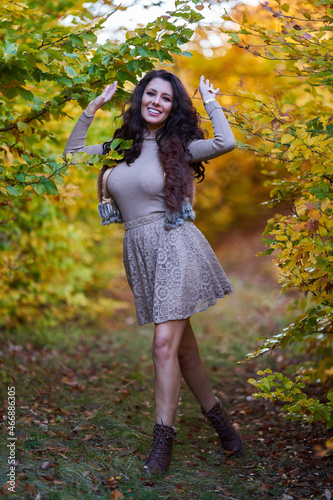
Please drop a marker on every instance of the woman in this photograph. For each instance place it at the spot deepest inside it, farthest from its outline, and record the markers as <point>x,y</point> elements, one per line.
<point>170,266</point>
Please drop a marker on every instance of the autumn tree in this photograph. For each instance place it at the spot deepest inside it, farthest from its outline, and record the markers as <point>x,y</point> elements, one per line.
<point>291,126</point>
<point>47,66</point>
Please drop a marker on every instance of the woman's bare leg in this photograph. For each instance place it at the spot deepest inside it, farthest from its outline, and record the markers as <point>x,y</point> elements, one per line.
<point>165,348</point>
<point>193,369</point>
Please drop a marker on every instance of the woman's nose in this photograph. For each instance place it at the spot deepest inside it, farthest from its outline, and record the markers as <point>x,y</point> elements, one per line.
<point>156,100</point>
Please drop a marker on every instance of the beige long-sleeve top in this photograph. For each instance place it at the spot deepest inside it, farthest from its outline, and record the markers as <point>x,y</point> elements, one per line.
<point>138,188</point>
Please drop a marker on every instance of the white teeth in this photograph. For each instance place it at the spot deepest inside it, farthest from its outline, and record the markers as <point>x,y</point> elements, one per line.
<point>154,111</point>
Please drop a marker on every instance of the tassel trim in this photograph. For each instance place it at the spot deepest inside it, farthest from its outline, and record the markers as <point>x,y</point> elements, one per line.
<point>175,219</point>
<point>109,213</point>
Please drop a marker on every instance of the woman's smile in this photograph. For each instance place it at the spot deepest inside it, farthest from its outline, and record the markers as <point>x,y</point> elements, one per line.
<point>156,103</point>
<point>154,111</point>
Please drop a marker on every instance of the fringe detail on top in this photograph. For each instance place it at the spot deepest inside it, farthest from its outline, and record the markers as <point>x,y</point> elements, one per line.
<point>175,219</point>
<point>109,213</point>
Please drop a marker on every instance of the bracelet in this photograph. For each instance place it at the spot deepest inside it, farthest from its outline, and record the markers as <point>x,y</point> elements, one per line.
<point>210,99</point>
<point>86,114</point>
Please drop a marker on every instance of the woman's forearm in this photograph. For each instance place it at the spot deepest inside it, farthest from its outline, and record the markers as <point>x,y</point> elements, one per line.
<point>76,141</point>
<point>223,141</point>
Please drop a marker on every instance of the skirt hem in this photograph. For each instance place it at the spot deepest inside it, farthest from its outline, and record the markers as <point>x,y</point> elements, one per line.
<point>185,315</point>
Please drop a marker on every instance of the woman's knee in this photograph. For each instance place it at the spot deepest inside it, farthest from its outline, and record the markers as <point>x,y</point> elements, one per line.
<point>163,348</point>
<point>167,339</point>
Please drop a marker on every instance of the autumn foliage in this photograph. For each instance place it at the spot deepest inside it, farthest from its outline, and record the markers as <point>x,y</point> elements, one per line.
<point>290,127</point>
<point>51,261</point>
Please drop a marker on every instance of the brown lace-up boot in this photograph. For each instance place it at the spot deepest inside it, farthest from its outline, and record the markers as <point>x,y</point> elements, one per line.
<point>160,454</point>
<point>230,440</point>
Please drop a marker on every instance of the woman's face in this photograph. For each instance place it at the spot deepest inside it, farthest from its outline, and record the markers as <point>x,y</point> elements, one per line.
<point>156,103</point>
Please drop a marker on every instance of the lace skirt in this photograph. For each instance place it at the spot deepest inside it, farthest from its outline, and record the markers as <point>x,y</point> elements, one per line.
<point>172,273</point>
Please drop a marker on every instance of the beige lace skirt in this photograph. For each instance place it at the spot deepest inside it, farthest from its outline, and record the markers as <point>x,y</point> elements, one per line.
<point>172,273</point>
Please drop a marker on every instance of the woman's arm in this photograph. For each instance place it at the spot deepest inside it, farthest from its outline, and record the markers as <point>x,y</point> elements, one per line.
<point>76,141</point>
<point>224,140</point>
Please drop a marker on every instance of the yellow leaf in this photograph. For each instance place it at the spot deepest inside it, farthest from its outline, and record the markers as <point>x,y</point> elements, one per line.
<point>42,67</point>
<point>325,204</point>
<point>329,443</point>
<point>281,237</point>
<point>316,168</point>
<point>131,34</point>
<point>287,138</point>
<point>323,231</point>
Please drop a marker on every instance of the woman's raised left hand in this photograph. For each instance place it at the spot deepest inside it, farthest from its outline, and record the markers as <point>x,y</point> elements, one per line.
<point>102,99</point>
<point>207,90</point>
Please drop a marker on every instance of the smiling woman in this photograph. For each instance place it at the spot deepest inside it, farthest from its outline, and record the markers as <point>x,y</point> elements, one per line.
<point>156,103</point>
<point>170,266</point>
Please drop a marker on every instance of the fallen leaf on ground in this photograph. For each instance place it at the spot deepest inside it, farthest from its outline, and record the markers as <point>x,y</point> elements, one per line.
<point>116,495</point>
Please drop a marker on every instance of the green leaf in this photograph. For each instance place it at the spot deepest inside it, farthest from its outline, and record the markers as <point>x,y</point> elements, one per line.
<point>65,81</point>
<point>23,127</point>
<point>50,187</point>
<point>26,94</point>
<point>39,188</point>
<point>76,40</point>
<point>11,93</point>
<point>14,191</point>
<point>89,37</point>
<point>115,143</point>
<point>70,71</point>
<point>234,37</point>
<point>126,144</point>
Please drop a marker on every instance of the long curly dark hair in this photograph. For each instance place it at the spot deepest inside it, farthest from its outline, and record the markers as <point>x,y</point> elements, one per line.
<point>182,126</point>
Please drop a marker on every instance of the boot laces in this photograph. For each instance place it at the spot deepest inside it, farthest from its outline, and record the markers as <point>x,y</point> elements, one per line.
<point>161,446</point>
<point>220,422</point>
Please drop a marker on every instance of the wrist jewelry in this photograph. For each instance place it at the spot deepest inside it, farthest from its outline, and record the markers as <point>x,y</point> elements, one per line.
<point>210,99</point>
<point>88,116</point>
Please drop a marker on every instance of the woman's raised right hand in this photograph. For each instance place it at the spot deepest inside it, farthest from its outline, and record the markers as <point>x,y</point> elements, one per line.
<point>102,99</point>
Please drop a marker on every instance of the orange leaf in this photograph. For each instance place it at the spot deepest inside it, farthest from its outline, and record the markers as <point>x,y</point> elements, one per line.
<point>116,495</point>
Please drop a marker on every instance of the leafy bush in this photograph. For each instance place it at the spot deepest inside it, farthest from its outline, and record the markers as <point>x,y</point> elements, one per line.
<point>292,126</point>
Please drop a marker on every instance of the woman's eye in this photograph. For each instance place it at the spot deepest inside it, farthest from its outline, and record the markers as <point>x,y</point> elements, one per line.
<point>150,93</point>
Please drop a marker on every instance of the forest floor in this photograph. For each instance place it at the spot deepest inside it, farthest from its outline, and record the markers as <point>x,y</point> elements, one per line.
<point>84,405</point>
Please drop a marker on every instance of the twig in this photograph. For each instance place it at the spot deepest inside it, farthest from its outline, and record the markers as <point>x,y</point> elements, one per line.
<point>104,404</point>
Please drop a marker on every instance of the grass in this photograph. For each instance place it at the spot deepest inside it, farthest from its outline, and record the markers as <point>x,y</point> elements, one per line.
<point>84,403</point>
